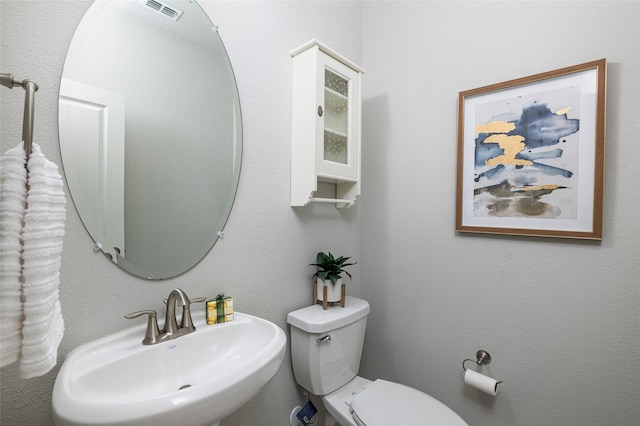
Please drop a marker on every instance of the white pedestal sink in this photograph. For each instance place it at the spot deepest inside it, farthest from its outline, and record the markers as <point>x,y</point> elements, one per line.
<point>197,379</point>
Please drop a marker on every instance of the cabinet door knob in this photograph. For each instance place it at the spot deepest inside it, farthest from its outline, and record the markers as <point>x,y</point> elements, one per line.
<point>320,111</point>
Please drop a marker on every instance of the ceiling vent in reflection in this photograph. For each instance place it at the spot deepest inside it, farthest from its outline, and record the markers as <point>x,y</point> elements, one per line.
<point>163,8</point>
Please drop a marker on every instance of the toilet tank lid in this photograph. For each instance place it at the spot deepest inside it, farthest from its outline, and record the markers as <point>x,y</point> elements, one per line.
<point>313,319</point>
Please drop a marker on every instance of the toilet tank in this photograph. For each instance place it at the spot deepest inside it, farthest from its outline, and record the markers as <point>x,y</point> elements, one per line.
<point>323,364</point>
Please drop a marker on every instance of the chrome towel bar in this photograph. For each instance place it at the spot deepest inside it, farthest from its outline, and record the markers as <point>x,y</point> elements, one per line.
<point>30,88</point>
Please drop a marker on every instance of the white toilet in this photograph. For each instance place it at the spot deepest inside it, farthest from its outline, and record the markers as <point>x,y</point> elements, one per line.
<point>326,347</point>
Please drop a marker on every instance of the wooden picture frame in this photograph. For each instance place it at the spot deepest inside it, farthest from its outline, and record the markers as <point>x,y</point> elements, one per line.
<point>531,155</point>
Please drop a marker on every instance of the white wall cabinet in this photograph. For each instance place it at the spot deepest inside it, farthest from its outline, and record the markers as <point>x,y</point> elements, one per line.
<point>326,123</point>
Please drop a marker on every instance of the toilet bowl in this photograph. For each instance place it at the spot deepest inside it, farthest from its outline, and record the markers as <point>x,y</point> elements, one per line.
<point>326,348</point>
<point>363,402</point>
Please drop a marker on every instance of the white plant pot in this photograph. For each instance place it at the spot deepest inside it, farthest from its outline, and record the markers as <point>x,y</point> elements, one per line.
<point>334,292</point>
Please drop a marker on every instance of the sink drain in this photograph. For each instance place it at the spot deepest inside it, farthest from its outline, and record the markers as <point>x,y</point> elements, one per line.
<point>184,387</point>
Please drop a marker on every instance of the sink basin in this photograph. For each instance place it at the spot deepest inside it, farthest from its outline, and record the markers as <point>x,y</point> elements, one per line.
<point>196,379</point>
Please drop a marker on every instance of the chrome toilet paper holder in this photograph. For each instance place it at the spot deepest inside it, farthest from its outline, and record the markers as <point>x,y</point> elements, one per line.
<point>482,357</point>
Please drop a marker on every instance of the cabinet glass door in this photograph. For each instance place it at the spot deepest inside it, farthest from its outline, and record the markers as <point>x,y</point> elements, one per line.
<point>336,118</point>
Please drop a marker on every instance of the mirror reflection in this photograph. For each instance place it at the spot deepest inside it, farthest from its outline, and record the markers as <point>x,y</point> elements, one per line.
<point>150,133</point>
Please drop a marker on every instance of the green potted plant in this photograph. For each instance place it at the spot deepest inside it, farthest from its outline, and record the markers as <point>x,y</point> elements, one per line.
<point>329,276</point>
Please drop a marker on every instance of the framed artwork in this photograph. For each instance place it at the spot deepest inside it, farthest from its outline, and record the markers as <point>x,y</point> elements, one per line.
<point>531,155</point>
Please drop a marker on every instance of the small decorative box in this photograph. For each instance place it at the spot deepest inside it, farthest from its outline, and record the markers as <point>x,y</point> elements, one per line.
<point>220,309</point>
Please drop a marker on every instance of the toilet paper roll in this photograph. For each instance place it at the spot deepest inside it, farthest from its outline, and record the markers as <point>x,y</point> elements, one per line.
<point>481,382</point>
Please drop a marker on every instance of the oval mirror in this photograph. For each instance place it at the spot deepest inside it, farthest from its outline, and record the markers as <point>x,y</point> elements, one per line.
<point>150,133</point>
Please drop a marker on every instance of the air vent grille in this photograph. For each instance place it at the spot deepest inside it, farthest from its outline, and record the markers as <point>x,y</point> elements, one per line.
<point>154,5</point>
<point>163,8</point>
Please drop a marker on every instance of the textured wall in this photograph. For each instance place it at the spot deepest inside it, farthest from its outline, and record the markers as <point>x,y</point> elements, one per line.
<point>560,318</point>
<point>262,260</point>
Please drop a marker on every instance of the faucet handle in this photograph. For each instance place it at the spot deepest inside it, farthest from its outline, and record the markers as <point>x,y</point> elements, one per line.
<point>186,324</point>
<point>152,333</point>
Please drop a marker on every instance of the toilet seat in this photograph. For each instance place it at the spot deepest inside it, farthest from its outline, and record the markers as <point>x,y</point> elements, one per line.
<point>384,403</point>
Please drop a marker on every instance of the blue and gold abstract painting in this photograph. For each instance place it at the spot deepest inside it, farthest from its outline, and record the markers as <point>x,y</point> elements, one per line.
<point>526,156</point>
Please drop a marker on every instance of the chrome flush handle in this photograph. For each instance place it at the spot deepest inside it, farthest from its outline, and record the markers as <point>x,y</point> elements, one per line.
<point>325,339</point>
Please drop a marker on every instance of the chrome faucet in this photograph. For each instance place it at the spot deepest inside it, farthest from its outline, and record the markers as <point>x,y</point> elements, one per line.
<point>170,322</point>
<point>171,329</point>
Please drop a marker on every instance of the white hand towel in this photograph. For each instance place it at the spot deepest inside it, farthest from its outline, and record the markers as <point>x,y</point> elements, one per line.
<point>42,238</point>
<point>13,195</point>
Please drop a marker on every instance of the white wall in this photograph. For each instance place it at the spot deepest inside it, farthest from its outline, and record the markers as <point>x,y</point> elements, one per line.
<point>262,260</point>
<point>560,318</point>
